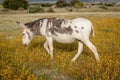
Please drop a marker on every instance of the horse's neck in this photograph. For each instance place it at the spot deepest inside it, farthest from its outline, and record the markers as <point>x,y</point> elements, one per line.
<point>43,27</point>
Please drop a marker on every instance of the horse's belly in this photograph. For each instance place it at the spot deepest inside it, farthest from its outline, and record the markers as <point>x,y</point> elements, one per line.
<point>63,38</point>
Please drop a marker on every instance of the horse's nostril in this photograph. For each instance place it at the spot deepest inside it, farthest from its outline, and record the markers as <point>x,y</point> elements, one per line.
<point>25,44</point>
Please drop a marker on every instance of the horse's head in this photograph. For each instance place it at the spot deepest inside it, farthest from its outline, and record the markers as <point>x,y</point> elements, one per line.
<point>27,34</point>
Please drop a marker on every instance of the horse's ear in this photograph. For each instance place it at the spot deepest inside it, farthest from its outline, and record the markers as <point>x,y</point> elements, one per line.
<point>18,22</point>
<point>21,25</point>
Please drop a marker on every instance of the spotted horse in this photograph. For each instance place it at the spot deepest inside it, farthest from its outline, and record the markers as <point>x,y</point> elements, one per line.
<point>60,30</point>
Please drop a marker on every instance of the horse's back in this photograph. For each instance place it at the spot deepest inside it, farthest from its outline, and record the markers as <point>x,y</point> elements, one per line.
<point>82,28</point>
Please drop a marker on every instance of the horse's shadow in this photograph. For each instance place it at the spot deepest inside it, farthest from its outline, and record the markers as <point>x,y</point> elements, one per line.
<point>58,46</point>
<point>65,47</point>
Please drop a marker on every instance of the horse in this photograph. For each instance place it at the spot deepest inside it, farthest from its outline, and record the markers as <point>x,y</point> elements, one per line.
<point>62,31</point>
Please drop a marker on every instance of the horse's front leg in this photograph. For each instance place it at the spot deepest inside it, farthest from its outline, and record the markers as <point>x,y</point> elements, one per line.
<point>50,45</point>
<point>46,47</point>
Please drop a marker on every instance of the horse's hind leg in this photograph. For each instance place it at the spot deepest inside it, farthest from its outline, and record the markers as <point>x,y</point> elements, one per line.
<point>93,49</point>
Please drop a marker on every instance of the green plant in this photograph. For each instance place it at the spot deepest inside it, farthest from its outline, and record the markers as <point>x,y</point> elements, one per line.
<point>5,10</point>
<point>103,7</point>
<point>109,4</point>
<point>79,5</point>
<point>21,9</point>
<point>73,2</point>
<point>15,4</point>
<point>46,4</point>
<point>50,10</point>
<point>36,9</point>
<point>69,9</point>
<point>62,3</point>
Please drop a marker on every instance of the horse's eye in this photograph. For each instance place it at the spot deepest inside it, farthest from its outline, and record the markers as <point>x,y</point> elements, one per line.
<point>23,34</point>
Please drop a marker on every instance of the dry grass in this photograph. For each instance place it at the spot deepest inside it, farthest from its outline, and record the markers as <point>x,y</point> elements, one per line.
<point>18,62</point>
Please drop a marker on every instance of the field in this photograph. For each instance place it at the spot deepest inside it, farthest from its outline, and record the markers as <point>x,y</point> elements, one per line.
<point>18,62</point>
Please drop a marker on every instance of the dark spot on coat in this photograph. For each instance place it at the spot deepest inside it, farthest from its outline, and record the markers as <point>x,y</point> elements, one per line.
<point>76,31</point>
<point>82,27</point>
<point>78,40</point>
<point>68,30</point>
<point>56,22</point>
<point>52,30</point>
<point>28,35</point>
<point>53,25</point>
<point>56,26</point>
<point>75,26</point>
<point>35,26</point>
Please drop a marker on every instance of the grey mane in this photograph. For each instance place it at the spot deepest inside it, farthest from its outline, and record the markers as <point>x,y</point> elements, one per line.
<point>34,26</point>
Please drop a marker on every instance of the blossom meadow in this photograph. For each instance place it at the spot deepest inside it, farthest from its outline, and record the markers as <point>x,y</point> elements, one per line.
<point>18,62</point>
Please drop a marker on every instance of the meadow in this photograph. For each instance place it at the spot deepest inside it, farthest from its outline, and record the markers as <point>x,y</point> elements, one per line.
<point>18,62</point>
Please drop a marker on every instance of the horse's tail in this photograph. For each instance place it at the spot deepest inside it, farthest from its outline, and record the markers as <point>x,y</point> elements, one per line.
<point>92,31</point>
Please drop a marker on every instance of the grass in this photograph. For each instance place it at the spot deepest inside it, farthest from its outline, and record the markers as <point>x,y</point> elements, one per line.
<point>18,62</point>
